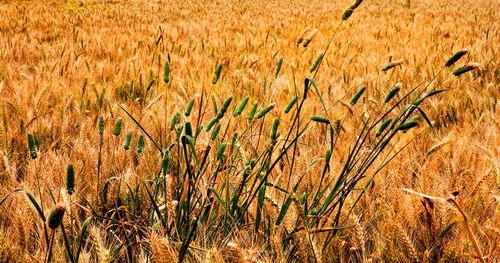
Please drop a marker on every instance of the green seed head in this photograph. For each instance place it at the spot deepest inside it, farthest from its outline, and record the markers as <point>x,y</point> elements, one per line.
<point>328,155</point>
<point>189,140</point>
<point>233,140</point>
<point>211,124</point>
<point>274,130</point>
<point>70,179</point>
<point>264,111</point>
<point>178,133</point>
<point>214,104</point>
<point>215,132</point>
<point>309,37</point>
<point>278,67</point>
<point>303,198</point>
<point>127,141</point>
<point>393,64</point>
<point>188,129</point>
<point>456,57</point>
<point>118,127</point>
<point>217,74</point>
<point>302,35</point>
<point>101,125</point>
<point>252,111</point>
<point>239,109</point>
<point>320,119</point>
<point>140,144</point>
<point>220,151</point>
<point>189,108</point>
<point>166,71</point>
<point>32,146</point>
<point>393,92</point>
<point>224,107</point>
<point>290,104</point>
<point>56,216</point>
<point>316,63</point>
<point>165,162</point>
<point>465,68</point>
<point>347,13</point>
<point>175,120</point>
<point>358,94</point>
<point>384,125</point>
<point>408,125</point>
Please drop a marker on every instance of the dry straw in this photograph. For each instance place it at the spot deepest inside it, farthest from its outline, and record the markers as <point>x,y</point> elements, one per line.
<point>406,241</point>
<point>163,250</point>
<point>437,146</point>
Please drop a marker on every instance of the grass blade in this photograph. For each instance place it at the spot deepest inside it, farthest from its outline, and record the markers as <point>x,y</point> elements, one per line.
<point>37,206</point>
<point>81,237</point>
<point>283,210</point>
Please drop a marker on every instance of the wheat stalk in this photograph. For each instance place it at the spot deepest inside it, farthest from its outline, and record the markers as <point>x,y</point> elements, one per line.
<point>405,239</point>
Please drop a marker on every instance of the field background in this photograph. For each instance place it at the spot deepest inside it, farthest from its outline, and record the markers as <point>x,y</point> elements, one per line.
<point>65,63</point>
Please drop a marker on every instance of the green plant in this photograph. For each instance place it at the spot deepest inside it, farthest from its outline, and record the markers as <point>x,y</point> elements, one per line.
<point>213,194</point>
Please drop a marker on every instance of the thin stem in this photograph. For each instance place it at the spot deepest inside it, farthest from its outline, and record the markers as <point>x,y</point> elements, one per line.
<point>99,162</point>
<point>39,188</point>
<point>472,237</point>
<point>49,249</point>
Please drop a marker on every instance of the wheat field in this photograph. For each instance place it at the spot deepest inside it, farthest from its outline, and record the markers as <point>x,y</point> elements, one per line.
<point>249,131</point>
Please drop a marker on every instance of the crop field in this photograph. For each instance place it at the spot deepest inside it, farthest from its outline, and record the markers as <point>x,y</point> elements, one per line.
<point>249,131</point>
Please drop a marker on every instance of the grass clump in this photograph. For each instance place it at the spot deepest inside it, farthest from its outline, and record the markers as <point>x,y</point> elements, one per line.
<point>254,158</point>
